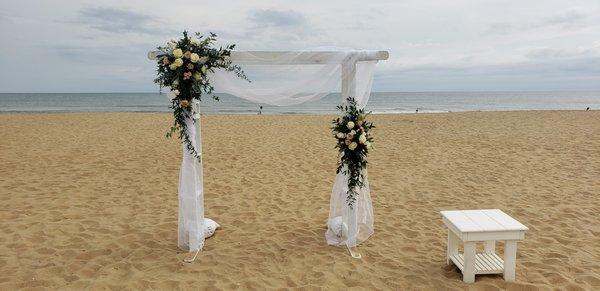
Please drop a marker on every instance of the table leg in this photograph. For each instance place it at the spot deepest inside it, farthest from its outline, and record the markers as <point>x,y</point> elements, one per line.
<point>469,269</point>
<point>490,246</point>
<point>452,246</point>
<point>510,260</point>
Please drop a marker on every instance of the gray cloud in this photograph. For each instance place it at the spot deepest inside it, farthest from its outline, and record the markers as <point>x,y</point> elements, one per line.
<point>278,29</point>
<point>564,20</point>
<point>275,18</point>
<point>114,20</point>
<point>527,75</point>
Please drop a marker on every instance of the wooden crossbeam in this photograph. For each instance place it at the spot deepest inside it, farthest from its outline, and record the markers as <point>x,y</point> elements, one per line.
<point>299,57</point>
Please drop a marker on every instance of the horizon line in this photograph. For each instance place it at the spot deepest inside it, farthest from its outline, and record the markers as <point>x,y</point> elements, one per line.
<point>416,91</point>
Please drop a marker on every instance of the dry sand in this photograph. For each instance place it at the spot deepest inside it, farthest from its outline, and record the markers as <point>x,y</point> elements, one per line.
<point>90,200</point>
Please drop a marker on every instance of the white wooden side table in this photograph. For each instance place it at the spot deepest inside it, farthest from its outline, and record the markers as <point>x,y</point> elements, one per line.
<point>487,226</point>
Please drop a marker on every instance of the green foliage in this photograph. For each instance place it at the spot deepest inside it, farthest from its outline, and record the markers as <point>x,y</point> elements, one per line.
<point>184,66</point>
<point>352,132</point>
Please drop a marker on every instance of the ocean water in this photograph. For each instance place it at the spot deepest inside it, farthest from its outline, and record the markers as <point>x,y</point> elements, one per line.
<point>380,102</point>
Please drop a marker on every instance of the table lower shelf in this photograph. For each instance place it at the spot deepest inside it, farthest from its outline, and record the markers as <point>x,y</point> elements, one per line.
<point>484,263</point>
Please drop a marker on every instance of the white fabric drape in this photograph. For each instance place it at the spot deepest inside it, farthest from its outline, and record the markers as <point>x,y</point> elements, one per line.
<point>191,194</point>
<point>294,77</point>
<point>297,77</point>
<point>349,226</point>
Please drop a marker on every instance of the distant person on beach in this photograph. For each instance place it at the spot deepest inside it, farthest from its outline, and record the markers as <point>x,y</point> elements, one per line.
<point>587,109</point>
<point>260,110</point>
<point>417,111</point>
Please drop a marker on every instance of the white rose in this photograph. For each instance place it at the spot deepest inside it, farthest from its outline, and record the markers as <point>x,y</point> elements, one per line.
<point>178,62</point>
<point>178,53</point>
<point>172,67</point>
<point>194,57</point>
<point>172,44</point>
<point>175,92</point>
<point>204,69</point>
<point>341,135</point>
<point>352,146</point>
<point>350,125</point>
<point>362,138</point>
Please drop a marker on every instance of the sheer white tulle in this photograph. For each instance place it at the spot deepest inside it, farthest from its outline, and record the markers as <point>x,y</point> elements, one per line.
<point>191,196</point>
<point>193,227</point>
<point>296,77</point>
<point>346,226</point>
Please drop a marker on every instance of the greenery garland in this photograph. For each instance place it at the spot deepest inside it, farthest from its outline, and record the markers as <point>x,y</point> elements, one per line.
<point>183,65</point>
<point>354,141</point>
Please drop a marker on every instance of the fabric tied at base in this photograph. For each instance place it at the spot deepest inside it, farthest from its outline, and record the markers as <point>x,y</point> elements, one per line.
<point>193,228</point>
<point>349,226</point>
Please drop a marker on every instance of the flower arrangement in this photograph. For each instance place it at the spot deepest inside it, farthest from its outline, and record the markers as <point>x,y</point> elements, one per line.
<point>183,65</point>
<point>354,141</point>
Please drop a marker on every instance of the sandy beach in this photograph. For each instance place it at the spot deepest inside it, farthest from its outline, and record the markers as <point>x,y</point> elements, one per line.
<point>89,200</point>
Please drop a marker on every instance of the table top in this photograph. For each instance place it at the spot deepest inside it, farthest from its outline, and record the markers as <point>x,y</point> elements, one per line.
<point>483,220</point>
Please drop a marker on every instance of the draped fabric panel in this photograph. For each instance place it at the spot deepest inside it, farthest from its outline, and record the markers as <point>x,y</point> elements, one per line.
<point>191,194</point>
<point>294,77</point>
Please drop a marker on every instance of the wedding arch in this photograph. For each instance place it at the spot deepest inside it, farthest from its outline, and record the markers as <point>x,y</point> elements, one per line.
<point>283,78</point>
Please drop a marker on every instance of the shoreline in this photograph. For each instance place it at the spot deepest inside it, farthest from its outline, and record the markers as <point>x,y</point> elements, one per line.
<point>298,113</point>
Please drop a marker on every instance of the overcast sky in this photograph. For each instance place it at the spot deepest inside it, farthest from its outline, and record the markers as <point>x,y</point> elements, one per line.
<point>101,46</point>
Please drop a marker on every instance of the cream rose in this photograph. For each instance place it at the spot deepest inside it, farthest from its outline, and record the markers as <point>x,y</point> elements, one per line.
<point>368,145</point>
<point>204,69</point>
<point>362,139</point>
<point>178,62</point>
<point>178,53</point>
<point>350,125</point>
<point>175,92</point>
<point>197,76</point>
<point>341,135</point>
<point>173,67</point>
<point>352,146</point>
<point>203,60</point>
<point>194,57</point>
